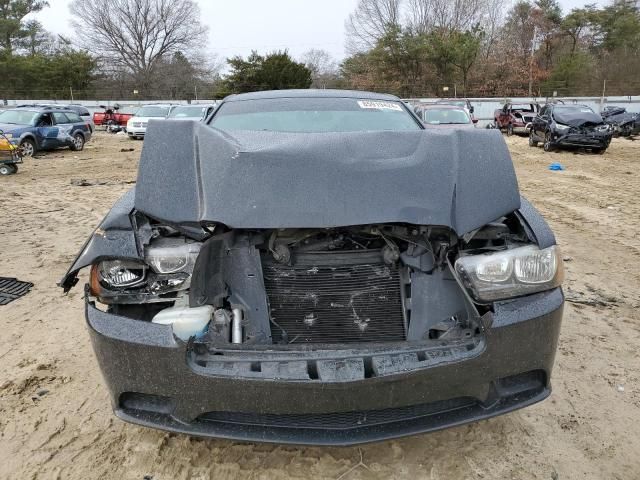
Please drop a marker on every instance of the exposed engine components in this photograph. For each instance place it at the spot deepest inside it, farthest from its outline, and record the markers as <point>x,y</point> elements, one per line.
<point>236,326</point>
<point>390,254</point>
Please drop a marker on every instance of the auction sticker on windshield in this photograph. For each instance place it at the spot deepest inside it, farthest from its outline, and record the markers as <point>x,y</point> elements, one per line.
<point>379,105</point>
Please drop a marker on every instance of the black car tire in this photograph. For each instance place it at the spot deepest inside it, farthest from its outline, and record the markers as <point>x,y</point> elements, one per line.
<point>599,151</point>
<point>78,142</point>
<point>509,130</point>
<point>532,142</point>
<point>548,143</point>
<point>28,147</point>
<point>8,169</point>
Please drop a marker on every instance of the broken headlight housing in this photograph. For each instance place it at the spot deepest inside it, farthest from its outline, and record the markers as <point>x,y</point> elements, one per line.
<point>167,269</point>
<point>510,273</point>
<point>121,273</point>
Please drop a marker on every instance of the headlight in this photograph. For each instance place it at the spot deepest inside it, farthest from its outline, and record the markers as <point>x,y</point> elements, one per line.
<point>562,128</point>
<point>172,256</point>
<point>510,273</point>
<point>120,273</point>
<point>8,136</point>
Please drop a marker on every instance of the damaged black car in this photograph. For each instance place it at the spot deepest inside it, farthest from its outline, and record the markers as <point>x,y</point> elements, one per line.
<point>621,122</point>
<point>314,267</point>
<point>570,126</point>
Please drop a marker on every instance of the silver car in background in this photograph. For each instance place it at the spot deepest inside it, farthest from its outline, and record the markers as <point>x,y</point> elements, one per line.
<point>191,112</point>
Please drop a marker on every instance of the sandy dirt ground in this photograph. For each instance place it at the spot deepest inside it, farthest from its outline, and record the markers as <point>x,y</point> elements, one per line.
<point>55,420</point>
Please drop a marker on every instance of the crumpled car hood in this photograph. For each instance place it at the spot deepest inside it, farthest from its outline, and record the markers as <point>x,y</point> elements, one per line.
<point>577,118</point>
<point>191,173</point>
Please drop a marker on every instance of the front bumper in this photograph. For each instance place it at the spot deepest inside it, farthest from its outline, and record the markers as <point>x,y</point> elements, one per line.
<point>136,131</point>
<point>327,397</point>
<point>593,140</point>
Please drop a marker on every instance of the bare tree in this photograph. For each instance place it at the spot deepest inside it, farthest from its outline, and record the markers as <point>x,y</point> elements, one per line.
<point>371,20</point>
<point>319,62</point>
<point>323,67</point>
<point>423,15</point>
<point>138,34</point>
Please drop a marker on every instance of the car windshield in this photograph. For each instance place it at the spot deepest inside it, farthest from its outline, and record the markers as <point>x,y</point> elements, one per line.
<point>187,112</point>
<point>445,116</point>
<point>152,111</point>
<point>18,117</point>
<point>314,115</point>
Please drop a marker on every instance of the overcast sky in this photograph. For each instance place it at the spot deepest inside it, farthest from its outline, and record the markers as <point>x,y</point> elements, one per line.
<point>238,26</point>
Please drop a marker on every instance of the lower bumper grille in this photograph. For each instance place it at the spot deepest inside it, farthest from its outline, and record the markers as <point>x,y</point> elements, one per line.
<point>340,420</point>
<point>337,297</point>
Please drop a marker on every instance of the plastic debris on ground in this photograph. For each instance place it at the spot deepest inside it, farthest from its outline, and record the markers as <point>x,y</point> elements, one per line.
<point>556,167</point>
<point>10,289</point>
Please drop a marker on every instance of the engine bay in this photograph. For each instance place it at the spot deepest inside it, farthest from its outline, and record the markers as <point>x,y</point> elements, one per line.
<point>382,283</point>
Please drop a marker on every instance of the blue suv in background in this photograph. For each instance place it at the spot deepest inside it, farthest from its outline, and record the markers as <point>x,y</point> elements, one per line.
<point>35,128</point>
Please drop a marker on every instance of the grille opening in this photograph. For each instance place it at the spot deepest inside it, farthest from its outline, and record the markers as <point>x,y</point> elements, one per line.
<point>312,369</point>
<point>345,297</point>
<point>146,402</point>
<point>368,367</point>
<point>256,367</point>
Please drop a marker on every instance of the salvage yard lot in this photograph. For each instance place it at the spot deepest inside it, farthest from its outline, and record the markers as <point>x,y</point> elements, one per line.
<point>55,420</point>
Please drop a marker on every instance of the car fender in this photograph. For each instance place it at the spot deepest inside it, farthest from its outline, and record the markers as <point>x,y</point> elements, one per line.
<point>537,225</point>
<point>31,136</point>
<point>114,238</point>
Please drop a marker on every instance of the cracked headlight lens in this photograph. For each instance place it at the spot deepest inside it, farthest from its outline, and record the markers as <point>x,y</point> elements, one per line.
<point>510,273</point>
<point>121,273</point>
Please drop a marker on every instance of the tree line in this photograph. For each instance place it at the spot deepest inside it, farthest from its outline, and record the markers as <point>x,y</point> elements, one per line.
<point>148,49</point>
<point>481,48</point>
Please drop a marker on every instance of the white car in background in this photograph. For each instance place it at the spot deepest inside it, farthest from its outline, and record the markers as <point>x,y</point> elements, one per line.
<point>137,125</point>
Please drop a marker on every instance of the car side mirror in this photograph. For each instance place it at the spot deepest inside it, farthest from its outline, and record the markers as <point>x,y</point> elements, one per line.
<point>474,120</point>
<point>1,132</point>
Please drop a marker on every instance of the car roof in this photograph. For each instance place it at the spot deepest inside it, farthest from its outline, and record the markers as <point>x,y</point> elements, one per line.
<point>440,106</point>
<point>41,108</point>
<point>311,93</point>
<point>196,105</point>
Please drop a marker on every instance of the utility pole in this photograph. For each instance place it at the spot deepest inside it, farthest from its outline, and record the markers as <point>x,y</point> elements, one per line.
<point>71,91</point>
<point>533,49</point>
<point>604,90</point>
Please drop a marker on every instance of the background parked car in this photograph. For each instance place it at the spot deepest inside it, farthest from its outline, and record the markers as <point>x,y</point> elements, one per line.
<point>44,128</point>
<point>191,112</point>
<point>623,123</point>
<point>137,125</point>
<point>459,102</point>
<point>570,126</point>
<point>444,116</point>
<point>516,117</point>
<point>81,110</point>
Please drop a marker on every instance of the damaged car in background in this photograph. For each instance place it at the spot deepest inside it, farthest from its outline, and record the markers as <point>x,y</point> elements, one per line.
<point>320,269</point>
<point>516,117</point>
<point>34,128</point>
<point>622,123</point>
<point>570,126</point>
